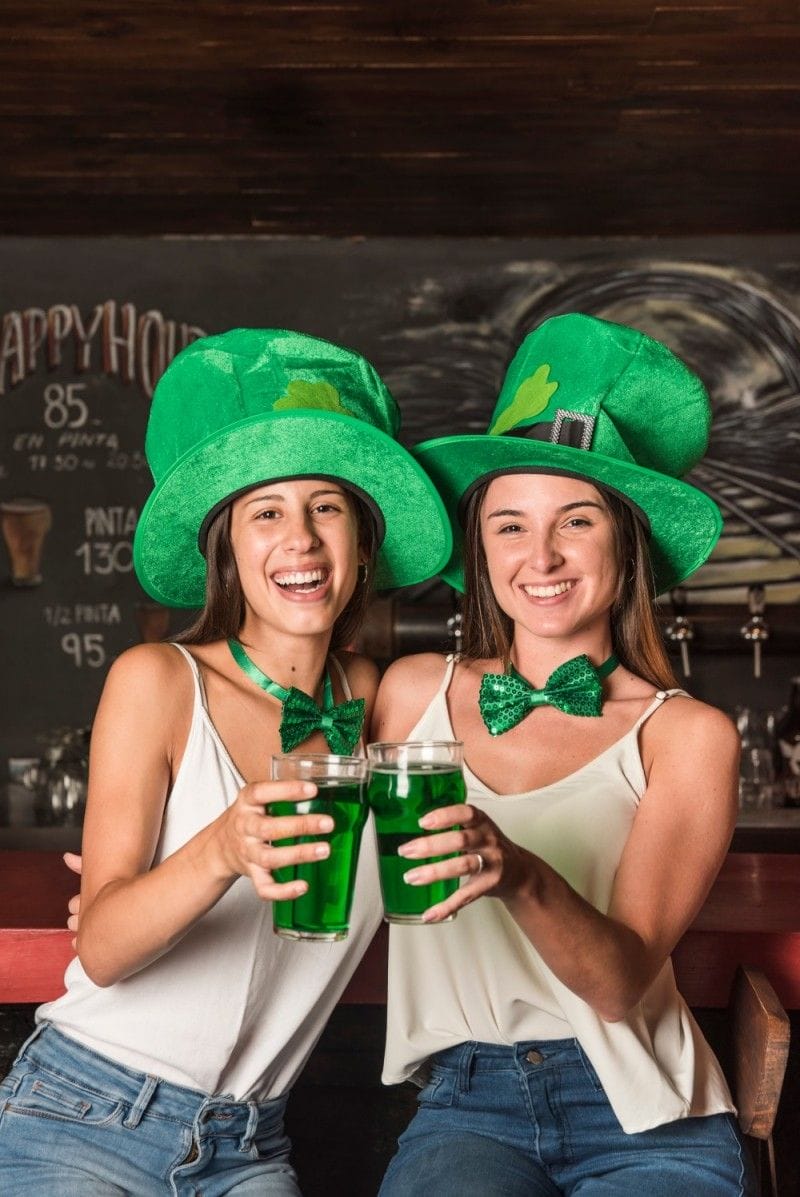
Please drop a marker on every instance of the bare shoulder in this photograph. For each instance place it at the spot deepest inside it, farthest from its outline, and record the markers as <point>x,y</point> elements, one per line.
<point>150,685</point>
<point>361,673</point>
<point>423,670</point>
<point>147,668</point>
<point>686,735</point>
<point>688,720</point>
<point>406,689</point>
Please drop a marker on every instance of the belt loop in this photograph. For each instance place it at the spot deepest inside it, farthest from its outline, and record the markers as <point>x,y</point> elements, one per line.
<point>465,1066</point>
<point>142,1102</point>
<point>35,1033</point>
<point>246,1141</point>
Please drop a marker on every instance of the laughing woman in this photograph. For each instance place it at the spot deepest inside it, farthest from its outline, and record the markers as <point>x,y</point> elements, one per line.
<point>554,1050</point>
<point>280,493</point>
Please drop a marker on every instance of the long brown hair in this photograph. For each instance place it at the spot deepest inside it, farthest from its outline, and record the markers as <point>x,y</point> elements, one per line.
<point>223,613</point>
<point>488,631</point>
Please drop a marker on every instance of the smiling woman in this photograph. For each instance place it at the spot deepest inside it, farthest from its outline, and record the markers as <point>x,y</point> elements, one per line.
<point>488,626</point>
<point>554,1051</point>
<point>169,1059</point>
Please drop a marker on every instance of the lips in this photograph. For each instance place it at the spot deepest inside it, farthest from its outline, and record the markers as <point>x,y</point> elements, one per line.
<point>551,591</point>
<point>301,581</point>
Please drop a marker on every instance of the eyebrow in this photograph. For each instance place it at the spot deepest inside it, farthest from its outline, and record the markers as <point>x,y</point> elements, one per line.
<point>507,511</point>
<point>279,498</point>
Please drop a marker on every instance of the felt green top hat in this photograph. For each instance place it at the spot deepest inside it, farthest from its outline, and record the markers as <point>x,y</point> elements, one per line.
<point>255,405</point>
<point>604,402</point>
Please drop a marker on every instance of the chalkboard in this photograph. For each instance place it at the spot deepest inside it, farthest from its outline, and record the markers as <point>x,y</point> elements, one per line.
<point>88,325</point>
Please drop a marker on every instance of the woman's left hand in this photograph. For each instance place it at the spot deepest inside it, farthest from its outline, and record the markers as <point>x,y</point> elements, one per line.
<point>491,863</point>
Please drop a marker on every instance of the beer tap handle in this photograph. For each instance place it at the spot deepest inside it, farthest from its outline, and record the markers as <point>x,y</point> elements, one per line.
<point>756,630</point>
<point>680,630</point>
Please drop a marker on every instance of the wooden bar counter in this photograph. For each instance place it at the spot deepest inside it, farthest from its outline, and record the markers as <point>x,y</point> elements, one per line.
<point>751,916</point>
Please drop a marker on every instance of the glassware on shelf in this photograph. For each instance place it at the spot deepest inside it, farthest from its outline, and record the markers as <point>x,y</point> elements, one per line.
<point>787,748</point>
<point>757,786</point>
<point>58,781</point>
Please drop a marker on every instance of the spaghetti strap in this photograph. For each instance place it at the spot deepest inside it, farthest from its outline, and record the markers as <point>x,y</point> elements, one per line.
<point>451,661</point>
<point>659,699</point>
<point>199,688</point>
<point>339,667</point>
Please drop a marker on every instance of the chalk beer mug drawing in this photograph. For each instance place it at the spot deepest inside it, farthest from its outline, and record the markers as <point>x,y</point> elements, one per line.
<point>25,523</point>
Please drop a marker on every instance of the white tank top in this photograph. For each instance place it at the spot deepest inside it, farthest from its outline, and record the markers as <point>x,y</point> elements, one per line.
<point>231,1008</point>
<point>479,978</point>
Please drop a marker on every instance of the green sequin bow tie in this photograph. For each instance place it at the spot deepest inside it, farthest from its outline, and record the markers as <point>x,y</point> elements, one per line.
<point>506,698</point>
<point>340,725</point>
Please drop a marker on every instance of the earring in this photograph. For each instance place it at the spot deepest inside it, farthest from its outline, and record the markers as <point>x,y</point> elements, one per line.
<point>363,572</point>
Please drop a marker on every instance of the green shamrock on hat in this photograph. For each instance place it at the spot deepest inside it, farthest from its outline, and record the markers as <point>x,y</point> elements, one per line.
<point>319,396</point>
<point>532,396</point>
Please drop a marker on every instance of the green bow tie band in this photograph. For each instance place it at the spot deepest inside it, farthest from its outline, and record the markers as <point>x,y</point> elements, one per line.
<point>340,725</point>
<point>574,687</point>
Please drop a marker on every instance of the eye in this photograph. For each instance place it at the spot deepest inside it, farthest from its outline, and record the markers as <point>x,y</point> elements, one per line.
<point>578,521</point>
<point>326,508</point>
<point>509,528</point>
<point>266,513</point>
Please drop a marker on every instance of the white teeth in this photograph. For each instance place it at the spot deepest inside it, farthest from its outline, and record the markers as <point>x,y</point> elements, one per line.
<point>300,578</point>
<point>548,591</point>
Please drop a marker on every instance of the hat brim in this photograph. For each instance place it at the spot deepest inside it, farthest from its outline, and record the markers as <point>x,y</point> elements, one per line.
<point>685,523</point>
<point>417,541</point>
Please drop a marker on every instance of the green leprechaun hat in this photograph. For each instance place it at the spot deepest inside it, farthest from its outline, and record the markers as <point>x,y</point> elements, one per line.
<point>595,400</point>
<point>253,405</point>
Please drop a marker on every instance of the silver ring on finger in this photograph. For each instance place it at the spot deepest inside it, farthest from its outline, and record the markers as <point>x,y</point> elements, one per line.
<point>481,863</point>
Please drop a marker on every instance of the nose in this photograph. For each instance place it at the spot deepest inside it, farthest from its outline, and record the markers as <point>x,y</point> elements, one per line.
<point>544,552</point>
<point>299,533</point>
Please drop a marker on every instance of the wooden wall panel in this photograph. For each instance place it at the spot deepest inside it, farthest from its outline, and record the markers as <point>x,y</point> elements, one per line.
<point>512,118</point>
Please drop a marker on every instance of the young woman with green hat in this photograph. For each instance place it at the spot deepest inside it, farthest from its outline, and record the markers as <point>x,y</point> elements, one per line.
<point>554,1051</point>
<point>280,491</point>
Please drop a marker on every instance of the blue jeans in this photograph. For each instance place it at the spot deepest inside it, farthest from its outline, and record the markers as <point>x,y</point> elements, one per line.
<point>75,1124</point>
<point>494,1121</point>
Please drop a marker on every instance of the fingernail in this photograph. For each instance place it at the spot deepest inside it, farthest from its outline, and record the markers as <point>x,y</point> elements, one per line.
<point>322,850</point>
<point>411,877</point>
<point>309,788</point>
<point>326,823</point>
<point>428,820</point>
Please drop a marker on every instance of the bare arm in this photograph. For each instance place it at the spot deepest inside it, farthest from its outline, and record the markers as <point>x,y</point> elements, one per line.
<point>679,839</point>
<point>131,913</point>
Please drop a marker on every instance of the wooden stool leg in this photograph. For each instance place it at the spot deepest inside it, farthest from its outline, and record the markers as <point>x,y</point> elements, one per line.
<point>773,1177</point>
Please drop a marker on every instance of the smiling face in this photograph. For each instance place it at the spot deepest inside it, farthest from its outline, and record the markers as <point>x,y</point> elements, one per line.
<point>296,549</point>
<point>550,550</point>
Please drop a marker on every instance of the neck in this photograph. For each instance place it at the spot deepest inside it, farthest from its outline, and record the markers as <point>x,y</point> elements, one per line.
<point>535,657</point>
<point>288,660</point>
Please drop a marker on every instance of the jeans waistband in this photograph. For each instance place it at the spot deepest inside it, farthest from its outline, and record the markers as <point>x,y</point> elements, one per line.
<point>59,1054</point>
<point>474,1057</point>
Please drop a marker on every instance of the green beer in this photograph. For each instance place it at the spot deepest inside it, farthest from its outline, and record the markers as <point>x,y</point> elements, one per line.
<point>399,794</point>
<point>323,911</point>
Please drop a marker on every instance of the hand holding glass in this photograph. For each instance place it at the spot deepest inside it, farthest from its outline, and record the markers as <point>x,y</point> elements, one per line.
<point>323,911</point>
<point>405,782</point>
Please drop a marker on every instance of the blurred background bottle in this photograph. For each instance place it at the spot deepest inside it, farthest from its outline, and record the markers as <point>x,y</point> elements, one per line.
<point>787,747</point>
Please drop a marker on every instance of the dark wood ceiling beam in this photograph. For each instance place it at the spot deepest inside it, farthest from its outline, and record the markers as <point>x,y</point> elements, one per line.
<point>516,118</point>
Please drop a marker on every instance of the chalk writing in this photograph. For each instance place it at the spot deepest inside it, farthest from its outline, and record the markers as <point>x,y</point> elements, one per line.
<point>114,338</point>
<point>87,648</point>
<point>66,614</point>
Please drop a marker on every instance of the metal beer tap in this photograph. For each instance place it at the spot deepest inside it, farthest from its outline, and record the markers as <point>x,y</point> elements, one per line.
<point>756,630</point>
<point>680,631</point>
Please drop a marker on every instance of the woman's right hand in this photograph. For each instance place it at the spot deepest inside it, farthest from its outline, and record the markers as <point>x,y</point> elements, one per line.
<point>249,834</point>
<point>74,862</point>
